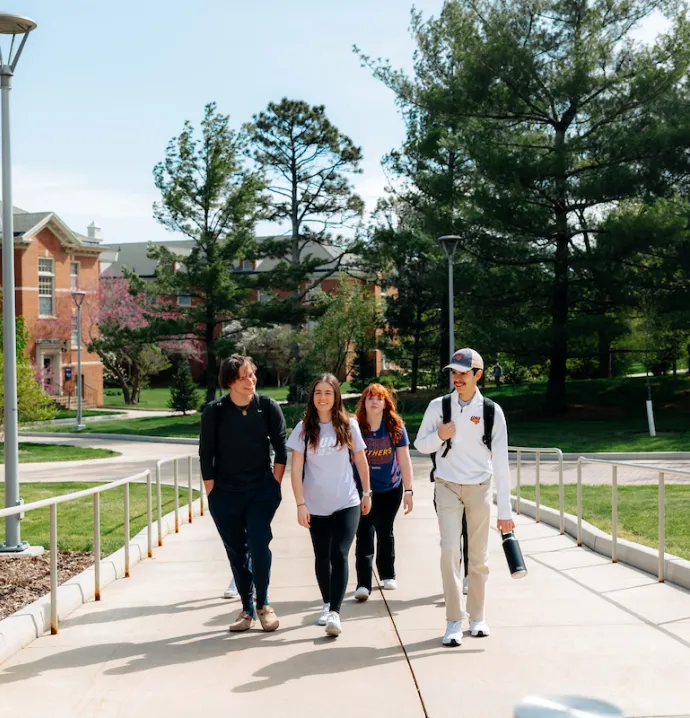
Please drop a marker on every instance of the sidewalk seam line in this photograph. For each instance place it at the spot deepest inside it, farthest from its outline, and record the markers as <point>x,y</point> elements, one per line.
<point>404,650</point>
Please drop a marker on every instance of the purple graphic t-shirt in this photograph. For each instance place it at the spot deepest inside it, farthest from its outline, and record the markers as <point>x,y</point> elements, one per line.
<point>383,461</point>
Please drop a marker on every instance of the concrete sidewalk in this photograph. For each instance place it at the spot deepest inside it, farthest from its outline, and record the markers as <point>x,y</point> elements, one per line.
<point>157,644</point>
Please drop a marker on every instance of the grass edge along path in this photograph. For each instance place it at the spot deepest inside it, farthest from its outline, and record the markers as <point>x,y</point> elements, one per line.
<point>34,453</point>
<point>75,518</point>
<point>637,511</point>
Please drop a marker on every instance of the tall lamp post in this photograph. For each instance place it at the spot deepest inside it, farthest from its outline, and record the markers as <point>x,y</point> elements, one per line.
<point>78,296</point>
<point>449,242</point>
<point>19,28</point>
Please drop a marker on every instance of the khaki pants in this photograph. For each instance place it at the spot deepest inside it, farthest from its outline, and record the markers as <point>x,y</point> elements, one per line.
<point>451,500</point>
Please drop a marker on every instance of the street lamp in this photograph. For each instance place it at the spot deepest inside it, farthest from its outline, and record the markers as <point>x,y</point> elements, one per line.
<point>19,28</point>
<point>78,296</point>
<point>449,242</point>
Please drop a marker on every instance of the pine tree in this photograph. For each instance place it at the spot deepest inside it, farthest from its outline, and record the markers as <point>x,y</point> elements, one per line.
<point>183,394</point>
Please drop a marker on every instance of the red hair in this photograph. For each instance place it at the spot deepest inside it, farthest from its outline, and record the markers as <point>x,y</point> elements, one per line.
<point>391,418</point>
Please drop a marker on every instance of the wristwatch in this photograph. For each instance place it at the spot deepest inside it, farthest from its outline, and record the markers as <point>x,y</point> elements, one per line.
<point>409,491</point>
<point>366,493</point>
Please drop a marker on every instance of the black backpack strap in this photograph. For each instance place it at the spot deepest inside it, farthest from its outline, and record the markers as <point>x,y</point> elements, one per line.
<point>489,414</point>
<point>446,413</point>
<point>446,410</point>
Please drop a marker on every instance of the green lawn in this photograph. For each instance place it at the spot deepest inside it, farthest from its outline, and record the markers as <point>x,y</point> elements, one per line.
<point>34,453</point>
<point>637,511</point>
<point>604,415</point>
<point>75,518</point>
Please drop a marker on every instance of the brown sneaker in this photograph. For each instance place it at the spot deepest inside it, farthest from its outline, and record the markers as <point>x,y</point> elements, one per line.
<point>242,623</point>
<point>268,618</point>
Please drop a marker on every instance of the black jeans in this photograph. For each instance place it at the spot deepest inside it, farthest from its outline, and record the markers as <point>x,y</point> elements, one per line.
<point>332,537</point>
<point>243,520</point>
<point>379,521</point>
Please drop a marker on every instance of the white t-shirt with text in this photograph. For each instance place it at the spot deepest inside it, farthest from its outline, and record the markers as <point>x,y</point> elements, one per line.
<point>329,484</point>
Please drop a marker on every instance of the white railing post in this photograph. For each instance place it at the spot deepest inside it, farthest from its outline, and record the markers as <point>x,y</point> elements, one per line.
<point>662,531</point>
<point>177,497</point>
<point>189,487</point>
<point>614,513</point>
<point>127,530</point>
<point>537,494</point>
<point>149,514</point>
<point>53,570</point>
<point>159,503</point>
<point>517,502</point>
<point>561,492</point>
<point>579,501</point>
<point>97,545</point>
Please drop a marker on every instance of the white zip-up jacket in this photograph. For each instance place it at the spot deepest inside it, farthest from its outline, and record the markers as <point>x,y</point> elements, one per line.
<point>469,461</point>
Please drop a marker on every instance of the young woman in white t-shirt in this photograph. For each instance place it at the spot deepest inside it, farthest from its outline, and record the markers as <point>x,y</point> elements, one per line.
<point>328,501</point>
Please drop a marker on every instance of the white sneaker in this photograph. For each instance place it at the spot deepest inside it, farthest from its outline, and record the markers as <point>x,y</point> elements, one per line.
<point>362,593</point>
<point>333,627</point>
<point>453,635</point>
<point>479,629</point>
<point>389,584</point>
<point>465,585</point>
<point>231,591</point>
<point>324,615</point>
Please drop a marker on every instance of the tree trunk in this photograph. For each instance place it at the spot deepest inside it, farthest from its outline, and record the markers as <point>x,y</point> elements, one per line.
<point>416,350</point>
<point>605,361</point>
<point>558,355</point>
<point>211,368</point>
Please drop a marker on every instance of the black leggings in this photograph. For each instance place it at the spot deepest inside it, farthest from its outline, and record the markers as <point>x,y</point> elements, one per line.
<point>379,521</point>
<point>332,537</point>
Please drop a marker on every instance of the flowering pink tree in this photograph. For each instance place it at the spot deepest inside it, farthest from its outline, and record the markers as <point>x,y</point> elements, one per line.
<point>115,332</point>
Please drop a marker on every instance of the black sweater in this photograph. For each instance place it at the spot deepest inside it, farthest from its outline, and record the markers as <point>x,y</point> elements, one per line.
<point>234,449</point>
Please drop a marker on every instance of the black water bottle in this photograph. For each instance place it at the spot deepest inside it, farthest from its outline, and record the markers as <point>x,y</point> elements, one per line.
<point>516,563</point>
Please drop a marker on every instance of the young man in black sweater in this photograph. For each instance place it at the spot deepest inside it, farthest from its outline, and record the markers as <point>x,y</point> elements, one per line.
<point>237,432</point>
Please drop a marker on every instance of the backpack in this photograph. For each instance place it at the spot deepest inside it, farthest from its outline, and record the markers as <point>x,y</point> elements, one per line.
<point>489,414</point>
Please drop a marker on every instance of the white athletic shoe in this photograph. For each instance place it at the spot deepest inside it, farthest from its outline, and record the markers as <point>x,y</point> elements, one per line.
<point>465,585</point>
<point>389,584</point>
<point>479,629</point>
<point>453,635</point>
<point>231,591</point>
<point>333,627</point>
<point>321,621</point>
<point>362,593</point>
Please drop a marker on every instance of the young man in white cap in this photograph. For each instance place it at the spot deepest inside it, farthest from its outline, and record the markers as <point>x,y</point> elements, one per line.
<point>464,467</point>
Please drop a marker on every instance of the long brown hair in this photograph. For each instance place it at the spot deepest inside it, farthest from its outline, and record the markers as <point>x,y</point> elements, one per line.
<point>391,418</point>
<point>339,417</point>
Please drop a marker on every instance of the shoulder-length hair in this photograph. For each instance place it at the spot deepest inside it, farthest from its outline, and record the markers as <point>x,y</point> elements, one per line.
<point>339,417</point>
<point>391,418</point>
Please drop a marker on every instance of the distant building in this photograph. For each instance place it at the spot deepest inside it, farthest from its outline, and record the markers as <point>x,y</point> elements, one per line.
<point>50,261</point>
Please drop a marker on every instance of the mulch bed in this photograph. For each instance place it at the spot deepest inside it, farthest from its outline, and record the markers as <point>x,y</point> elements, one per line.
<point>23,580</point>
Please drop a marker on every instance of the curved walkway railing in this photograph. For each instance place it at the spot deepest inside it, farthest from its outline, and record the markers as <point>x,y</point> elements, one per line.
<point>662,471</point>
<point>96,492</point>
<point>520,450</point>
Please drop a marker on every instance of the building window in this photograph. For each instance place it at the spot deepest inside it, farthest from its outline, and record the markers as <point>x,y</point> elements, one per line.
<point>263,296</point>
<point>74,275</point>
<point>184,300</point>
<point>74,338</point>
<point>46,287</point>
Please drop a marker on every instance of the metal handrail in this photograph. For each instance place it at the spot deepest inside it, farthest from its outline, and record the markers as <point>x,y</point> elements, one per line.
<point>537,498</point>
<point>159,466</point>
<point>662,471</point>
<point>96,492</point>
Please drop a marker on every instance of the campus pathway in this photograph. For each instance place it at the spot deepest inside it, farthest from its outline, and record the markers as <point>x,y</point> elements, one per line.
<point>157,644</point>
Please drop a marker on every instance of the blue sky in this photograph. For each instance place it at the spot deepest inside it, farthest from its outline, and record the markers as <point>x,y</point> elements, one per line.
<point>102,87</point>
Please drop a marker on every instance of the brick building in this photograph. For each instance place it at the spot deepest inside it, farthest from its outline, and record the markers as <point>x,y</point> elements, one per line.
<point>50,261</point>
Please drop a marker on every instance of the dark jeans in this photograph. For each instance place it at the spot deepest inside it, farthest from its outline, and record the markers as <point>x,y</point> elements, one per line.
<point>332,537</point>
<point>243,520</point>
<point>465,545</point>
<point>379,521</point>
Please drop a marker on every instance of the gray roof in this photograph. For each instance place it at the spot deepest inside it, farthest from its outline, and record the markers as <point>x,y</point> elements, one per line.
<point>133,255</point>
<point>24,221</point>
